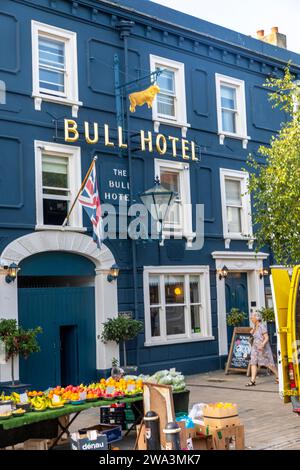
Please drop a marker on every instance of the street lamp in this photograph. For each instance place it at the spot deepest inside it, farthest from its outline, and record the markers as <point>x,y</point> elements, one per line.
<point>113,273</point>
<point>158,201</point>
<point>12,272</point>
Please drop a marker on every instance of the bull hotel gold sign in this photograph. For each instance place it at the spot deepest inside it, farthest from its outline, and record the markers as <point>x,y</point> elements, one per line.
<point>182,148</point>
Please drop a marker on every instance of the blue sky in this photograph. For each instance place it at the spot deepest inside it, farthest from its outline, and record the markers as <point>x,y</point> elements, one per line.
<point>246,16</point>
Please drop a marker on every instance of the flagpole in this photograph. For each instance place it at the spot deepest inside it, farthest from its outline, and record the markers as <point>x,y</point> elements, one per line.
<point>80,189</point>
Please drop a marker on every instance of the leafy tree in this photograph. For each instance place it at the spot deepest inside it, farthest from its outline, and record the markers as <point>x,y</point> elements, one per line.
<point>275,184</point>
<point>18,341</point>
<point>121,329</point>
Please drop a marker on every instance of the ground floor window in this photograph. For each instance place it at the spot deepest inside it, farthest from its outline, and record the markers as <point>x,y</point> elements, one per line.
<point>177,304</point>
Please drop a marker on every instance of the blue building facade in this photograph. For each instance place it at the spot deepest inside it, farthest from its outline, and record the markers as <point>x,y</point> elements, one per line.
<point>67,64</point>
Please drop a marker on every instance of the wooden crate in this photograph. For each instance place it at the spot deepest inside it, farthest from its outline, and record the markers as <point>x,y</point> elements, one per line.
<point>36,444</point>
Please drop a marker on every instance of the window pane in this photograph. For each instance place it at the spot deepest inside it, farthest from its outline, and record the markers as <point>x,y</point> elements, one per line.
<point>194,289</point>
<point>52,80</point>
<point>170,180</point>
<point>155,327</point>
<point>228,121</point>
<point>234,219</point>
<point>195,319</point>
<point>154,290</point>
<point>51,64</point>
<point>166,81</point>
<point>174,289</point>
<point>175,320</point>
<point>233,191</point>
<point>55,211</point>
<point>173,215</point>
<point>51,52</point>
<point>228,97</point>
<point>55,171</point>
<point>166,105</point>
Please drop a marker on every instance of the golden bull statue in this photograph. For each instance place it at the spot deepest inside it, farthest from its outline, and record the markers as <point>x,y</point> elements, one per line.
<point>139,98</point>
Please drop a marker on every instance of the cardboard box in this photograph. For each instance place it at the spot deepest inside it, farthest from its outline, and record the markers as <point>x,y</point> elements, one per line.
<point>113,432</point>
<point>186,435</point>
<point>87,443</point>
<point>216,416</point>
<point>36,444</point>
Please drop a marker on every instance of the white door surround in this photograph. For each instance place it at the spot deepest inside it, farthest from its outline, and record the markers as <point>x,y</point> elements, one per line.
<point>238,261</point>
<point>106,295</point>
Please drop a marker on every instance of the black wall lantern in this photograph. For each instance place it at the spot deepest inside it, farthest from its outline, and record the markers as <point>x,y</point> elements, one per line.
<point>113,273</point>
<point>223,272</point>
<point>12,272</point>
<point>264,272</point>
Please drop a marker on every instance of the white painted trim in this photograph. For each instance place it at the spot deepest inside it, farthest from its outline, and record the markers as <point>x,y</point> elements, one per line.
<point>185,229</point>
<point>246,219</point>
<point>180,120</point>
<point>70,97</point>
<point>236,261</point>
<point>241,121</point>
<point>205,301</point>
<point>74,156</point>
<point>106,293</point>
<point>182,340</point>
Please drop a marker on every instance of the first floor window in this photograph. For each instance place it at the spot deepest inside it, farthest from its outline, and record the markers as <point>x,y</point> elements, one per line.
<point>236,204</point>
<point>179,306</point>
<point>52,68</point>
<point>56,191</point>
<point>58,179</point>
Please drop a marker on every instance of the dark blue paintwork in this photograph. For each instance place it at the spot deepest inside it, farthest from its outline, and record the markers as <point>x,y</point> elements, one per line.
<point>205,49</point>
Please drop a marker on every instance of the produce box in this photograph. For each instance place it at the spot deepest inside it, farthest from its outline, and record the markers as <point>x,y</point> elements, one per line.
<point>220,415</point>
<point>113,433</point>
<point>91,442</point>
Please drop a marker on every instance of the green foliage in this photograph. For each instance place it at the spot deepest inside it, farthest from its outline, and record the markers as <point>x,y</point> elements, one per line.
<point>114,362</point>
<point>17,340</point>
<point>122,328</point>
<point>235,317</point>
<point>267,314</point>
<point>274,182</point>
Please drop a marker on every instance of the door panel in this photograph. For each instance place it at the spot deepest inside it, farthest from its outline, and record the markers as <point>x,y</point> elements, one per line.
<point>52,308</point>
<point>236,292</point>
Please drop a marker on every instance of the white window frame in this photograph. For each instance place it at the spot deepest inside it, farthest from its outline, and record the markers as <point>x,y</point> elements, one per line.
<point>71,75</point>
<point>246,219</point>
<point>186,230</point>
<point>241,116</point>
<point>180,120</point>
<point>205,315</point>
<point>74,167</point>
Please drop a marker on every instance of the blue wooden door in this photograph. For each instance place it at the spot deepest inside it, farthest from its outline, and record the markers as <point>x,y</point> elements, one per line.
<point>52,309</point>
<point>236,290</point>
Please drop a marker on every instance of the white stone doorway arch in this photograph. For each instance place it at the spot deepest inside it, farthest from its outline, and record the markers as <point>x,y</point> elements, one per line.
<point>106,295</point>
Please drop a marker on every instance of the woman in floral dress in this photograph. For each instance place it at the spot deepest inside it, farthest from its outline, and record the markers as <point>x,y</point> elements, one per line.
<point>261,352</point>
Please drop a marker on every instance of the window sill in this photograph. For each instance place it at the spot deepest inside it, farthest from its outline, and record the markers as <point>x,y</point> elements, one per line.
<point>179,341</point>
<point>183,125</point>
<point>248,239</point>
<point>60,228</point>
<point>178,235</point>
<point>38,98</point>
<point>243,138</point>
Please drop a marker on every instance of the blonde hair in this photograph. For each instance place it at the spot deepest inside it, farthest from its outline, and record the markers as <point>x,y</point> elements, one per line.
<point>257,314</point>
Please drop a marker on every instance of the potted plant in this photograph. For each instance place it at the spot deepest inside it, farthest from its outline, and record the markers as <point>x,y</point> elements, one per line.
<point>235,317</point>
<point>121,329</point>
<point>18,342</point>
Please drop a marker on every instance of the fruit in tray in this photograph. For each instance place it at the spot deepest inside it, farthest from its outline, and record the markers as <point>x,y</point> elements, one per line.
<point>15,397</point>
<point>5,397</point>
<point>35,393</point>
<point>5,415</point>
<point>19,412</point>
<point>39,403</point>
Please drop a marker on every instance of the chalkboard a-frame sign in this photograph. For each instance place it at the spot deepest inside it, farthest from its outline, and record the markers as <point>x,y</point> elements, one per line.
<point>240,350</point>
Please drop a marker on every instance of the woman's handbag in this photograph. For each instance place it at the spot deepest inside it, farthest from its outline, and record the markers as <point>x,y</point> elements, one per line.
<point>251,339</point>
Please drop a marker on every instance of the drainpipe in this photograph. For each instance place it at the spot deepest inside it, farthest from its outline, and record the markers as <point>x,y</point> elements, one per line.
<point>125,27</point>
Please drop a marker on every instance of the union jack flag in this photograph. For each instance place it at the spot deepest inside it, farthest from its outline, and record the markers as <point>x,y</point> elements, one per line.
<point>90,200</point>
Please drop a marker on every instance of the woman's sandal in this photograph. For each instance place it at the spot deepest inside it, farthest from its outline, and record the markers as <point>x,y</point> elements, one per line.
<point>251,384</point>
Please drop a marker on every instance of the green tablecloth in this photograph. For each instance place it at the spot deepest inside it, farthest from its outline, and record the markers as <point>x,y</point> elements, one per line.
<point>37,416</point>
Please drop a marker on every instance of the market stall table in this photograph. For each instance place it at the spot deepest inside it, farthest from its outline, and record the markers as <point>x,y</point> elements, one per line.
<point>45,424</point>
<point>29,421</point>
